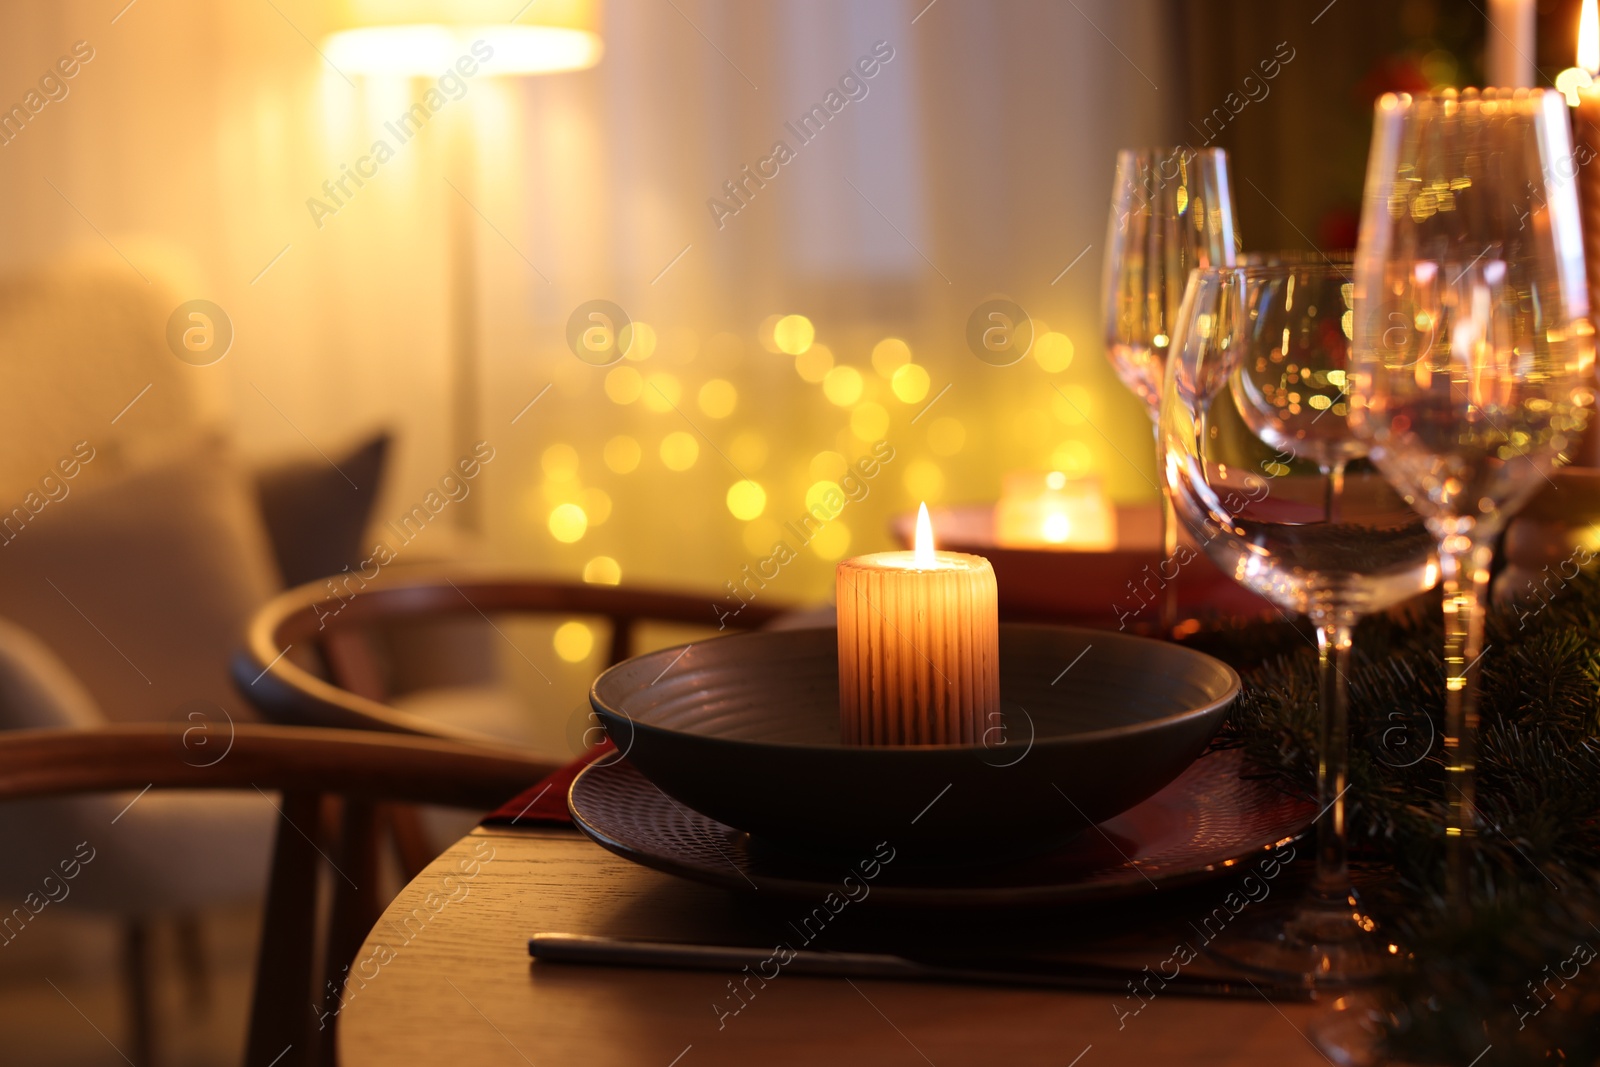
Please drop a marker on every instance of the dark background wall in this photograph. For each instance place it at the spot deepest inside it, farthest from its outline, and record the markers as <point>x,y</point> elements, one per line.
<point>1299,148</point>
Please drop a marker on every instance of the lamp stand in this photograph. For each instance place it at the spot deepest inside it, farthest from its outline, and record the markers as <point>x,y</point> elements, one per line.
<point>466,372</point>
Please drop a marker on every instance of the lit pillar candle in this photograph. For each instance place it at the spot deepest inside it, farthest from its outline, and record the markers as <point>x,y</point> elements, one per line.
<point>1586,140</point>
<point>1509,47</point>
<point>1577,84</point>
<point>919,646</point>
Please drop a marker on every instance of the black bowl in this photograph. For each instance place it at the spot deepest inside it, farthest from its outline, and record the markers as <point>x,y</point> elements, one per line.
<point>745,729</point>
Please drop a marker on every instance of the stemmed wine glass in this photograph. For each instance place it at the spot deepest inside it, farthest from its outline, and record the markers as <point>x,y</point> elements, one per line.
<point>1268,477</point>
<point>1171,211</point>
<point>1474,366</point>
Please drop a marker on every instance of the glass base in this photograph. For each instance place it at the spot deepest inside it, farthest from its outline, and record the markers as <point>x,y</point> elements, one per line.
<point>1348,1033</point>
<point>1323,944</point>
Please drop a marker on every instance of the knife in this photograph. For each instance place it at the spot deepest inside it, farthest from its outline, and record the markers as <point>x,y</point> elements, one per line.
<point>1063,974</point>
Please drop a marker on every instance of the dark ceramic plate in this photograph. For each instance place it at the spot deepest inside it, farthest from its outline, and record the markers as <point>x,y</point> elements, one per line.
<point>1203,823</point>
<point>745,730</point>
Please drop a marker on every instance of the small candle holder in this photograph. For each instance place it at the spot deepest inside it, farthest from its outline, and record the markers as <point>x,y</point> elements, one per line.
<point>1048,509</point>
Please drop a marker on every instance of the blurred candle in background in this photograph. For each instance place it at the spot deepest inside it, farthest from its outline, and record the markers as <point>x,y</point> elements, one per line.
<point>1049,509</point>
<point>919,646</point>
<point>1509,46</point>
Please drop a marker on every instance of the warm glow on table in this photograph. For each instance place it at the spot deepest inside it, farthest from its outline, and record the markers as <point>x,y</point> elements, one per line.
<point>1052,510</point>
<point>919,646</point>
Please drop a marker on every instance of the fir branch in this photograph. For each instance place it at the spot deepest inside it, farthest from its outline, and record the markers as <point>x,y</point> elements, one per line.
<point>1502,971</point>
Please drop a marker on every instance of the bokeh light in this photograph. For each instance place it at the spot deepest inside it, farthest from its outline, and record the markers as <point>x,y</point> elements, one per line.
<point>718,398</point>
<point>642,342</point>
<point>661,392</point>
<point>824,498</point>
<point>793,334</point>
<point>573,641</point>
<point>890,354</point>
<point>602,570</point>
<point>679,450</point>
<point>568,523</point>
<point>814,364</point>
<point>1074,458</point>
<point>559,462</point>
<point>624,384</point>
<point>828,466</point>
<point>746,499</point>
<point>621,454</point>
<point>910,383</point>
<point>842,386</point>
<point>735,427</point>
<point>1053,351</point>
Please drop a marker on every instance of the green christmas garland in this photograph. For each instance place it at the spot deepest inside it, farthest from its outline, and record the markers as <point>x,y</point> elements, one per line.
<point>1516,971</point>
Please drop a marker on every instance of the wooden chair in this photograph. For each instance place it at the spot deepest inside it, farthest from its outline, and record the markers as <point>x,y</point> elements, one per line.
<point>361,768</point>
<point>315,659</point>
<point>339,679</point>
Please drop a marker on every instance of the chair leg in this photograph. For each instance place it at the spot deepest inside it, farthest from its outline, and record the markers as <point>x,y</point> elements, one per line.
<point>357,904</point>
<point>137,980</point>
<point>621,640</point>
<point>412,846</point>
<point>192,958</point>
<point>283,1005</point>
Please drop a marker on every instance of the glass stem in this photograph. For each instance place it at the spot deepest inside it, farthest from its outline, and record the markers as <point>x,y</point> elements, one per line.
<point>1464,571</point>
<point>1333,490</point>
<point>1169,556</point>
<point>1332,879</point>
<point>1169,547</point>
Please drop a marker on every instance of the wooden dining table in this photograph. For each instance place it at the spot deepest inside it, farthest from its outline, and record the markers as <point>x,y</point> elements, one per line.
<point>445,977</point>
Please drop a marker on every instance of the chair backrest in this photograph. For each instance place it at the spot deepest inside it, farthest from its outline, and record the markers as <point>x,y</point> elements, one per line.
<point>83,338</point>
<point>37,692</point>
<point>308,627</point>
<point>122,510</point>
<point>353,770</point>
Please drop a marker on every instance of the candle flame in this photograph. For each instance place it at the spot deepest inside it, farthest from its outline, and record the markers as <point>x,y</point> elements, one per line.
<point>1589,38</point>
<point>922,547</point>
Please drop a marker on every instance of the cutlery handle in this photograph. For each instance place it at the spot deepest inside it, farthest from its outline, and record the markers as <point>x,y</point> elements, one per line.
<point>1082,977</point>
<point>617,952</point>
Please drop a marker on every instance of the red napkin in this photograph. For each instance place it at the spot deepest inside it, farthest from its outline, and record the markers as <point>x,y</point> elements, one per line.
<point>545,804</point>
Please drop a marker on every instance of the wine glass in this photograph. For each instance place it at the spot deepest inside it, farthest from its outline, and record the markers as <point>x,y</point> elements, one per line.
<point>1171,211</point>
<point>1270,480</point>
<point>1474,367</point>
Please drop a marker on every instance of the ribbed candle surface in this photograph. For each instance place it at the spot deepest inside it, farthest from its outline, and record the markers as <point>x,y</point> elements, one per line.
<point>919,649</point>
<point>1586,142</point>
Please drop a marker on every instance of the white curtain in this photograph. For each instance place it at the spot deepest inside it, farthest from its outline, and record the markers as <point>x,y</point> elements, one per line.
<point>977,163</point>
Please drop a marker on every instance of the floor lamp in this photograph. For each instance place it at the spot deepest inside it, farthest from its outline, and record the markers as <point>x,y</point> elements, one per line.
<point>426,38</point>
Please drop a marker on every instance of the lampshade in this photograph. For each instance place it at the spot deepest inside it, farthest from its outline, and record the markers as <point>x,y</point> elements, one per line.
<point>423,37</point>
